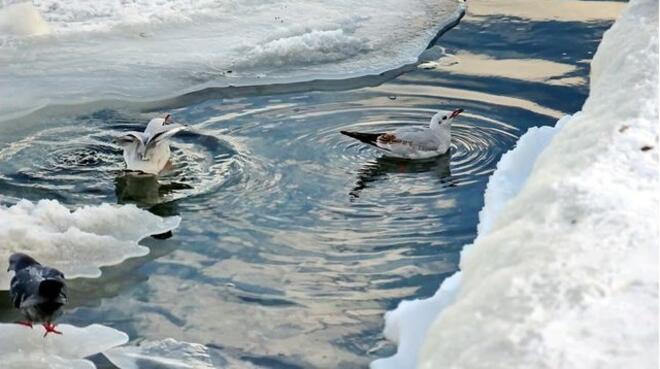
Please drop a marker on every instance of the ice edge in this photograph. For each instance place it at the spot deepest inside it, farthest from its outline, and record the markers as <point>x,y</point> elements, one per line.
<point>434,333</point>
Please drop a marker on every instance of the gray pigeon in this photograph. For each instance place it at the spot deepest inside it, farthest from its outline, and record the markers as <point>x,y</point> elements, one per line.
<point>38,291</point>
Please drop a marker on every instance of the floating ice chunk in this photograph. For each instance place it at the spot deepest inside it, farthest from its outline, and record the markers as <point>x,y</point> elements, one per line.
<point>80,242</point>
<point>168,353</point>
<point>25,348</point>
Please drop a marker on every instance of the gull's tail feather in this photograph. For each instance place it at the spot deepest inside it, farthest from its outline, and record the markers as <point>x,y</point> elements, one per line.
<point>368,138</point>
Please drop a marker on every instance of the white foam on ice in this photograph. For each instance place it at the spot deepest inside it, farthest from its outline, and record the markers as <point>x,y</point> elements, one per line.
<point>148,50</point>
<point>312,47</point>
<point>167,353</point>
<point>25,348</point>
<point>76,242</point>
<point>563,272</point>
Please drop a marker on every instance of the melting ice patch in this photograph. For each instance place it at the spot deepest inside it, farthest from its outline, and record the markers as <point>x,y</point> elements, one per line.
<point>168,353</point>
<point>564,272</point>
<point>25,348</point>
<point>147,50</point>
<point>76,242</point>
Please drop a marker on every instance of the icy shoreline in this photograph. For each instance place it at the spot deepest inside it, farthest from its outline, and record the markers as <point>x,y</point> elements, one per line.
<point>149,52</point>
<point>77,242</point>
<point>563,272</point>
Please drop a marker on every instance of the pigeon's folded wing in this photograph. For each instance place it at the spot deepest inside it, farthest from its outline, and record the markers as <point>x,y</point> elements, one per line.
<point>24,289</point>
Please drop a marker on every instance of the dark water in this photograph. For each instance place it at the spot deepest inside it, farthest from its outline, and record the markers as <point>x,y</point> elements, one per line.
<point>295,239</point>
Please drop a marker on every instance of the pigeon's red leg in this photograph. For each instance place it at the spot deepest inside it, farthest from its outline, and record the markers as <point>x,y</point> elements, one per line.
<point>26,323</point>
<point>50,328</point>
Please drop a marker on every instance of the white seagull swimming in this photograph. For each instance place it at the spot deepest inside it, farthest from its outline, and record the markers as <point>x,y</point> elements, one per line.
<point>149,151</point>
<point>413,143</point>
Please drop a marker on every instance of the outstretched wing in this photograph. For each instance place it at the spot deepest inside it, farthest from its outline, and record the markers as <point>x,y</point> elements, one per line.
<point>131,137</point>
<point>163,133</point>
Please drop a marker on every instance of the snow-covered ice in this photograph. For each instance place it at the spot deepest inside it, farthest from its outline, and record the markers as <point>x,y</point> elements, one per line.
<point>563,272</point>
<point>81,51</point>
<point>76,242</point>
<point>25,348</point>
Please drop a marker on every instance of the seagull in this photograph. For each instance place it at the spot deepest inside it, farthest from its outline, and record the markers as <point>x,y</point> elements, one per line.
<point>413,143</point>
<point>38,291</point>
<point>149,151</point>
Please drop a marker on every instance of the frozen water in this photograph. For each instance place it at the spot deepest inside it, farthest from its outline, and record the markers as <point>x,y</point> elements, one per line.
<point>77,51</point>
<point>168,353</point>
<point>25,348</point>
<point>79,242</point>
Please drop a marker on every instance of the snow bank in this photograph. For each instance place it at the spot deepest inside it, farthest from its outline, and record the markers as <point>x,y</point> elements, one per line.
<point>25,348</point>
<point>80,51</point>
<point>563,272</point>
<point>79,242</point>
<point>409,323</point>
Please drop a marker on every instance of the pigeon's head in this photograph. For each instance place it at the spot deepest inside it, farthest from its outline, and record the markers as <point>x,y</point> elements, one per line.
<point>18,261</point>
<point>445,118</point>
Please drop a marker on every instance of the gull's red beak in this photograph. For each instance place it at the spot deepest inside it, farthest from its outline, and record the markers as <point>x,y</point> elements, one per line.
<point>455,113</point>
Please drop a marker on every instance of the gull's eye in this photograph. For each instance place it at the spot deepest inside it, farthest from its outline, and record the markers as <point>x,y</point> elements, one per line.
<point>445,117</point>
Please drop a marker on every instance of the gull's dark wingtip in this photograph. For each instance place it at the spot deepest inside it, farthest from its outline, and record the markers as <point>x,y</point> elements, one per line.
<point>368,138</point>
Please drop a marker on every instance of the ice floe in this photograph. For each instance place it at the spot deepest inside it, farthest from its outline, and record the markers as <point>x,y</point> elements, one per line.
<point>25,348</point>
<point>81,51</point>
<point>167,353</point>
<point>76,242</point>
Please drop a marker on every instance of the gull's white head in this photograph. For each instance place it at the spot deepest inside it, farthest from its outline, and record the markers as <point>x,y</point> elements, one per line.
<point>443,119</point>
<point>156,123</point>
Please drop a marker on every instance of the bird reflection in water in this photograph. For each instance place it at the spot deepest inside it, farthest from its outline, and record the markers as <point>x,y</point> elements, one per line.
<point>148,192</point>
<point>373,171</point>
